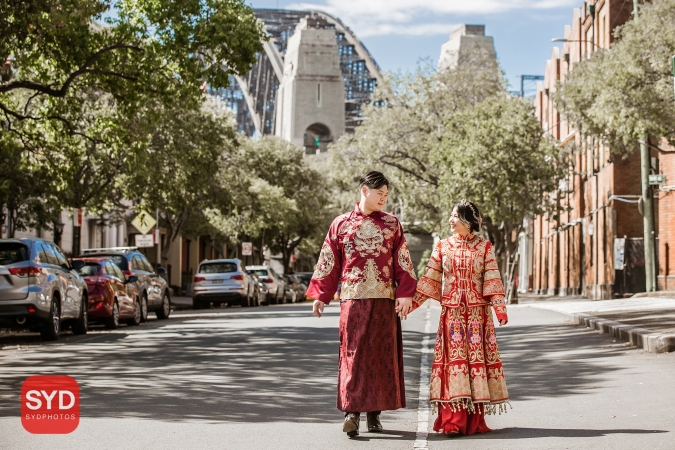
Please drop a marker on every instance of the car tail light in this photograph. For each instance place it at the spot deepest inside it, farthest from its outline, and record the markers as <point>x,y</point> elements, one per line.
<point>269,280</point>
<point>26,271</point>
<point>198,279</point>
<point>96,281</point>
<point>237,277</point>
<point>31,309</point>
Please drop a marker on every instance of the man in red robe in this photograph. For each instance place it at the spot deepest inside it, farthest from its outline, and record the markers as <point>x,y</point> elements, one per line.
<point>365,252</point>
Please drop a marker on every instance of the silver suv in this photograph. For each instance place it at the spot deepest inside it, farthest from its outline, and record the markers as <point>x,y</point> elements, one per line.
<point>39,289</point>
<point>275,282</point>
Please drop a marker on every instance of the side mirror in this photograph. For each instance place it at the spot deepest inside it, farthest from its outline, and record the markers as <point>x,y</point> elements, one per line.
<point>161,271</point>
<point>132,279</point>
<point>77,264</point>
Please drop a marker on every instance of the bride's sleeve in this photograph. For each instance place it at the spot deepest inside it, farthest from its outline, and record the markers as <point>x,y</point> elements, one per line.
<point>493,288</point>
<point>430,285</point>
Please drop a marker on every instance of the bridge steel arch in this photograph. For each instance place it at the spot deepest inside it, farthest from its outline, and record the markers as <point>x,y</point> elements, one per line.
<point>252,97</point>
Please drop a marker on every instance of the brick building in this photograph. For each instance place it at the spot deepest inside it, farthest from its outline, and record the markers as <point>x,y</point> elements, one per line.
<point>665,224</point>
<point>572,251</point>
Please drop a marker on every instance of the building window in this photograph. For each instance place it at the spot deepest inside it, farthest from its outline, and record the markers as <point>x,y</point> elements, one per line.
<point>318,95</point>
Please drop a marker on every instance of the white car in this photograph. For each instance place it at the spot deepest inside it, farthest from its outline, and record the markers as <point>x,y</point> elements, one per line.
<point>275,282</point>
<point>220,281</point>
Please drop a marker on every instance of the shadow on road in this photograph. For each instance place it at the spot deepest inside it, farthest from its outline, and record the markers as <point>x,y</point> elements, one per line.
<point>229,368</point>
<point>533,433</point>
<point>554,360</point>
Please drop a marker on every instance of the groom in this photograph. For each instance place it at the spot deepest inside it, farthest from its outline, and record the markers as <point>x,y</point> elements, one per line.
<point>366,253</point>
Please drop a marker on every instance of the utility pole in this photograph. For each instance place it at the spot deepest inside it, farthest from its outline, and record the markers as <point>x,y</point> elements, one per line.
<point>647,202</point>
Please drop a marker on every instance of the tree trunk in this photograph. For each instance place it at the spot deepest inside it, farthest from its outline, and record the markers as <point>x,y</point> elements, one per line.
<point>77,234</point>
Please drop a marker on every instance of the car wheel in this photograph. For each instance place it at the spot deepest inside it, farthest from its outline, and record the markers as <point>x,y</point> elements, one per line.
<point>113,321</point>
<point>165,310</point>
<point>136,320</point>
<point>144,308</point>
<point>81,325</point>
<point>50,332</point>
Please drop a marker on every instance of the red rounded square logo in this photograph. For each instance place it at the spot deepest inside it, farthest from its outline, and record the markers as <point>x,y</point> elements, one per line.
<point>50,404</point>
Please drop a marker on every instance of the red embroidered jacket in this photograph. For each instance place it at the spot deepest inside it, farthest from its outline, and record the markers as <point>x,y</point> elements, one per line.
<point>462,265</point>
<point>368,255</point>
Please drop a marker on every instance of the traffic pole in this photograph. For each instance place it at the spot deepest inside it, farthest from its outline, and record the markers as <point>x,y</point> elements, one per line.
<point>647,201</point>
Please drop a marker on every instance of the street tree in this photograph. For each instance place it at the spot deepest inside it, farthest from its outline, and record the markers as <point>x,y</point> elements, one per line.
<point>450,135</point>
<point>398,134</point>
<point>26,194</point>
<point>625,93</point>
<point>497,156</point>
<point>126,48</point>
<point>185,152</point>
<point>281,201</point>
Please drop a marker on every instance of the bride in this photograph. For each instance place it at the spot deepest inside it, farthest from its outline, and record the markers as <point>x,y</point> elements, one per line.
<point>467,378</point>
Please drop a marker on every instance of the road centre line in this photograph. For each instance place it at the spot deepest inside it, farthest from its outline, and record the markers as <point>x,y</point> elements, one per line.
<point>423,409</point>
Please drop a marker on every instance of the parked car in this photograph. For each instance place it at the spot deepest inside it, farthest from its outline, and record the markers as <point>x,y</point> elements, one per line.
<point>112,295</point>
<point>221,281</point>
<point>275,283</point>
<point>305,277</point>
<point>298,289</point>
<point>151,287</point>
<point>260,289</point>
<point>39,289</point>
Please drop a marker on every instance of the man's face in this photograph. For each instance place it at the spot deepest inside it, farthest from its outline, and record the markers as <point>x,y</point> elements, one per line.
<point>374,199</point>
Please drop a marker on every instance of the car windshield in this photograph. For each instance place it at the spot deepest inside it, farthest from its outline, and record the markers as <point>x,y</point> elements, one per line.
<point>119,260</point>
<point>218,268</point>
<point>261,272</point>
<point>12,252</point>
<point>89,269</point>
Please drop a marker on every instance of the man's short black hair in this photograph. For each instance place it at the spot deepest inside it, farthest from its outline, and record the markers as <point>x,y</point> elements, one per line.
<point>373,180</point>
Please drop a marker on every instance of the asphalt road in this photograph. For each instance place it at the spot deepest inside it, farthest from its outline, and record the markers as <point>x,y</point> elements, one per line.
<point>264,378</point>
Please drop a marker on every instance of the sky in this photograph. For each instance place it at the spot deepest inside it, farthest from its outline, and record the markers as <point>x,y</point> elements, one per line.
<point>399,33</point>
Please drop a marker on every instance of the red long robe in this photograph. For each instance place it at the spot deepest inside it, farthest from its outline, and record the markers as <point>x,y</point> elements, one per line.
<point>467,377</point>
<point>368,256</point>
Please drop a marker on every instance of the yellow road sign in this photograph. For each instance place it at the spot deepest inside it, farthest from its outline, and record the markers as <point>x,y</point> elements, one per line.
<point>144,222</point>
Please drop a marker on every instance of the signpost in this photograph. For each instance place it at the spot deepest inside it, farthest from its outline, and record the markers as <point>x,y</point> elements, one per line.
<point>619,253</point>
<point>247,248</point>
<point>144,240</point>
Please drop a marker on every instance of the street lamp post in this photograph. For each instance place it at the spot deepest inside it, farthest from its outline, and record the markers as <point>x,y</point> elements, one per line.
<point>595,46</point>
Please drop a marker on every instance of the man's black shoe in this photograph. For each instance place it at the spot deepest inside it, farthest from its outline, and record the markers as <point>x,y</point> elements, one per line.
<point>374,425</point>
<point>351,426</point>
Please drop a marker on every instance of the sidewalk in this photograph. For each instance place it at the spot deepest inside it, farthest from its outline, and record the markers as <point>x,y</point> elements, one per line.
<point>644,321</point>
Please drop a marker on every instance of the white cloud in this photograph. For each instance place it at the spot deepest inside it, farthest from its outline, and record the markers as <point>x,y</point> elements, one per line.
<point>387,17</point>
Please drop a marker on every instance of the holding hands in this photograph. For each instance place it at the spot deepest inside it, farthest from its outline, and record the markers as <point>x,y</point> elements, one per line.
<point>404,307</point>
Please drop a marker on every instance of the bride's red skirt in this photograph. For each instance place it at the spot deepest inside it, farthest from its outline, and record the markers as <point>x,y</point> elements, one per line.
<point>460,421</point>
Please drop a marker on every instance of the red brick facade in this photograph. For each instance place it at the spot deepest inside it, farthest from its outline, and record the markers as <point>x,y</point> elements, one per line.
<point>573,251</point>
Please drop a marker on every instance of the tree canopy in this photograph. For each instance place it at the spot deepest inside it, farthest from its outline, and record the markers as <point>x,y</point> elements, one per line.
<point>450,135</point>
<point>624,93</point>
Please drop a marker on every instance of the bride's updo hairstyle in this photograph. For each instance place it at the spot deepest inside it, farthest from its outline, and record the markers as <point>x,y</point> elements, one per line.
<point>468,213</point>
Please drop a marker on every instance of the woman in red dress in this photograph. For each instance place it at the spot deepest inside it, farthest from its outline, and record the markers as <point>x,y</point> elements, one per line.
<point>467,378</point>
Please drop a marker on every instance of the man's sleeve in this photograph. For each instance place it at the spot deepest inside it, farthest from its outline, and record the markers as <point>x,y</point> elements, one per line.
<point>404,271</point>
<point>493,288</point>
<point>324,283</point>
<point>430,285</point>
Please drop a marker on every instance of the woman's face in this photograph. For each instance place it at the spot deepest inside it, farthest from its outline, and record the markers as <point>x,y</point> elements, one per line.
<point>457,225</point>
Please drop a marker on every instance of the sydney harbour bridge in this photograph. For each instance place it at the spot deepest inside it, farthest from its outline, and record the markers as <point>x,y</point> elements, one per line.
<point>254,98</point>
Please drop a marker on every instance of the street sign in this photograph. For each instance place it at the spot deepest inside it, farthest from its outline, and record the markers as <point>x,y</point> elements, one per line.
<point>246,248</point>
<point>619,253</point>
<point>657,179</point>
<point>144,240</point>
<point>144,222</point>
<point>78,218</point>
